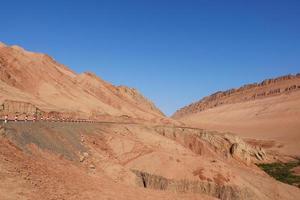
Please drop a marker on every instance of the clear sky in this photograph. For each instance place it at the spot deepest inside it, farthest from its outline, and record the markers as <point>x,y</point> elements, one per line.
<point>174,52</point>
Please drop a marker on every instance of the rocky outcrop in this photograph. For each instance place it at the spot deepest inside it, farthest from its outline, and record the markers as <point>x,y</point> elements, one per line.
<point>206,142</point>
<point>243,151</point>
<point>267,88</point>
<point>22,109</point>
<point>221,191</point>
<point>18,107</point>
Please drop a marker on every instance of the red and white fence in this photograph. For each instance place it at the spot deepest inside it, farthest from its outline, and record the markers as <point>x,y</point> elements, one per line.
<point>17,118</point>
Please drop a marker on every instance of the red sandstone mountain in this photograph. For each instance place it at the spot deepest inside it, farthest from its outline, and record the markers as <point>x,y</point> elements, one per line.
<point>268,110</point>
<point>38,79</point>
<point>89,161</point>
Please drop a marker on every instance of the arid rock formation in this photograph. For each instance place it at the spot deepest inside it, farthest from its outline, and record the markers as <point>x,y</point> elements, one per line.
<point>131,150</point>
<point>268,111</point>
<point>255,91</point>
<point>36,78</point>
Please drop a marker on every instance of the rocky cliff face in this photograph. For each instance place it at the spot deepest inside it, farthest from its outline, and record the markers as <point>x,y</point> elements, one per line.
<point>211,143</point>
<point>17,107</point>
<point>40,80</point>
<point>223,192</point>
<point>267,88</point>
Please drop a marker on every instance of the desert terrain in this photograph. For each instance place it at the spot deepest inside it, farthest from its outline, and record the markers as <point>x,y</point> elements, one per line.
<point>55,90</point>
<point>268,111</point>
<point>76,136</point>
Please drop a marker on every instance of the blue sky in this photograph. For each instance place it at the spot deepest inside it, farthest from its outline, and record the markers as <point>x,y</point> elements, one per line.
<point>174,52</point>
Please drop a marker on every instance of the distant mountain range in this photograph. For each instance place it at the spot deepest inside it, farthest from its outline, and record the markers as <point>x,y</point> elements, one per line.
<point>268,110</point>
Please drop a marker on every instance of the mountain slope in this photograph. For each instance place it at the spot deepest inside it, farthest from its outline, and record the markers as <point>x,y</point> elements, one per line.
<point>92,161</point>
<point>269,110</point>
<point>52,87</point>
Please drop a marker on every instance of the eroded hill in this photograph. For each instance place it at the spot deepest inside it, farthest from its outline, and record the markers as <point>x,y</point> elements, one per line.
<point>269,111</point>
<point>36,78</point>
